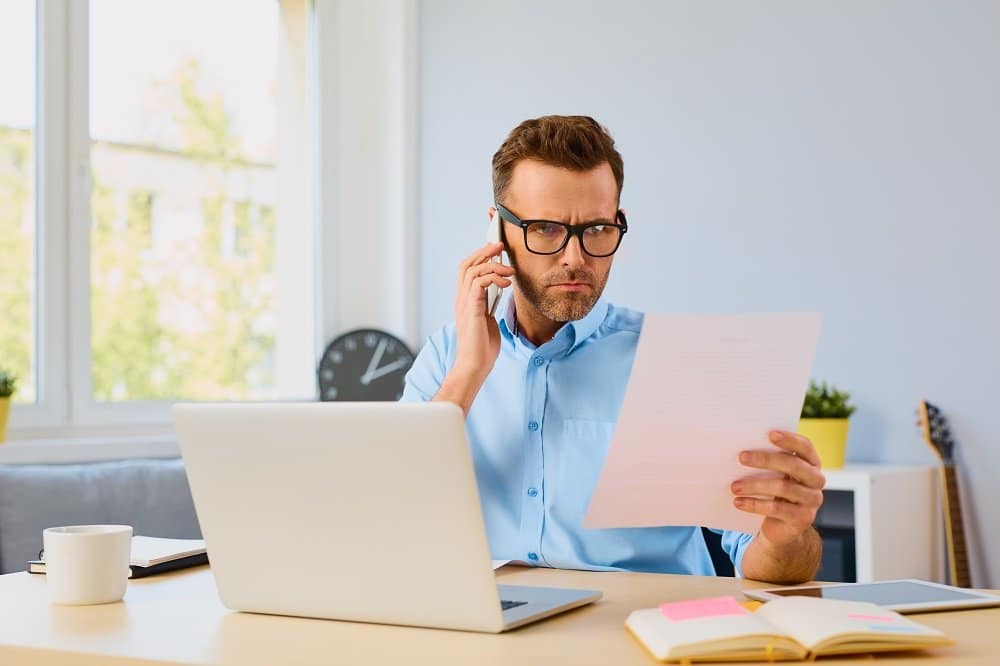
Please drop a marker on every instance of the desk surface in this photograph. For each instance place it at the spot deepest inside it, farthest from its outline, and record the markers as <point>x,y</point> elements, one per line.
<point>177,618</point>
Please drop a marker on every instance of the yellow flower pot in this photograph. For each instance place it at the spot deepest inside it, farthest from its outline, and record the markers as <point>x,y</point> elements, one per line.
<point>829,436</point>
<point>4,413</point>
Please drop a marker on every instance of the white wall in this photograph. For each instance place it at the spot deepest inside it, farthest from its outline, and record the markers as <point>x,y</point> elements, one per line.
<point>841,156</point>
<point>367,136</point>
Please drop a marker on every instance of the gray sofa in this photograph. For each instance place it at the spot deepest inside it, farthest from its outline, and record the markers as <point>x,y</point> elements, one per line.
<point>151,495</point>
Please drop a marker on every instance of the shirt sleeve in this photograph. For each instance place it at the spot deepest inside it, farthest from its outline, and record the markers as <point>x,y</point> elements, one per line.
<point>426,375</point>
<point>735,544</point>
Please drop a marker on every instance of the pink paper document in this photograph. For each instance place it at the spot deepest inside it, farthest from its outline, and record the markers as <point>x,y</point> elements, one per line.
<point>702,389</point>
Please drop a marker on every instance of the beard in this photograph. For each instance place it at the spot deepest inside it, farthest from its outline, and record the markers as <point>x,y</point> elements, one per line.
<point>560,306</point>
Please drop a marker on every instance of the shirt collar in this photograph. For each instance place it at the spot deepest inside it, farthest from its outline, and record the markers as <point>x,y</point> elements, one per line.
<point>506,316</point>
<point>578,330</point>
<point>586,327</point>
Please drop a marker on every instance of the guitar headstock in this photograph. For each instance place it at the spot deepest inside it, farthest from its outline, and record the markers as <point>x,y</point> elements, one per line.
<point>936,432</point>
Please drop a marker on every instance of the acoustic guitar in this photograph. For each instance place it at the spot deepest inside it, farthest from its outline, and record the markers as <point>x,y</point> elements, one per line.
<point>938,436</point>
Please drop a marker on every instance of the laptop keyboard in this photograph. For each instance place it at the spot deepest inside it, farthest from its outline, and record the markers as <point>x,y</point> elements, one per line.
<point>507,605</point>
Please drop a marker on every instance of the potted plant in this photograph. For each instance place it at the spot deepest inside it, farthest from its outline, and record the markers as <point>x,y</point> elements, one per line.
<point>8,384</point>
<point>825,415</point>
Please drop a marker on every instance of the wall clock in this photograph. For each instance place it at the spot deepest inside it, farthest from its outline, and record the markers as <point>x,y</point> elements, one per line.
<point>365,364</point>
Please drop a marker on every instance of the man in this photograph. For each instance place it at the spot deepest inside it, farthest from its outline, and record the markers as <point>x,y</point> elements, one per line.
<point>542,382</point>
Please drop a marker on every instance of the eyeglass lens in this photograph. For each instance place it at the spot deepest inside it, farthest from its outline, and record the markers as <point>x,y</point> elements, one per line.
<point>546,237</point>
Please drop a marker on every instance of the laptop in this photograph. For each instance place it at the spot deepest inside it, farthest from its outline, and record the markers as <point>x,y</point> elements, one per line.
<point>366,512</point>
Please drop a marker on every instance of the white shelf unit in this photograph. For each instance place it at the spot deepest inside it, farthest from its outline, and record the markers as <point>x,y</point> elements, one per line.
<point>895,513</point>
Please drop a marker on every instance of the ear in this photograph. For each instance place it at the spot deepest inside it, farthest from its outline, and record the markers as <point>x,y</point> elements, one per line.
<point>490,212</point>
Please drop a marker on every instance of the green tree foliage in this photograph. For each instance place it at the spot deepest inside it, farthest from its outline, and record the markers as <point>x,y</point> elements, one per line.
<point>125,328</point>
<point>17,275</point>
<point>222,281</point>
<point>206,127</point>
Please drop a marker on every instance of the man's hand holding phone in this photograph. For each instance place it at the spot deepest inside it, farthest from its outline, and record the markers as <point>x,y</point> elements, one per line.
<point>477,333</point>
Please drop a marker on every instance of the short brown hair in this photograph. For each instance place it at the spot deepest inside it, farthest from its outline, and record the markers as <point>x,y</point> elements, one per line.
<point>578,143</point>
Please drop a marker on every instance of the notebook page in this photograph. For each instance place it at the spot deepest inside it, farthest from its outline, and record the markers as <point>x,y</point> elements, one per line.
<point>817,623</point>
<point>148,551</point>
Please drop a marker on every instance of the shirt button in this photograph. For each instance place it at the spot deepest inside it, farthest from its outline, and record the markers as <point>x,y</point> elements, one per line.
<point>533,557</point>
<point>539,361</point>
<point>532,425</point>
<point>532,492</point>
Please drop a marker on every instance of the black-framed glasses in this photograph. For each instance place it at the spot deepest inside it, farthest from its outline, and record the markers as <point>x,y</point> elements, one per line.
<point>598,239</point>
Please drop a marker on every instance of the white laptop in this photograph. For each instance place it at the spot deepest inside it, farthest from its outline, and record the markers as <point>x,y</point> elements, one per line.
<point>350,511</point>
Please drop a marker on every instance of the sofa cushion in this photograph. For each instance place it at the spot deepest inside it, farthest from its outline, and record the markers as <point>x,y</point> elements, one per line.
<point>151,495</point>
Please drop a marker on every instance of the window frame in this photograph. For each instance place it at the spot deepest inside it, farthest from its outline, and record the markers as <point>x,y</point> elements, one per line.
<point>64,404</point>
<point>51,232</point>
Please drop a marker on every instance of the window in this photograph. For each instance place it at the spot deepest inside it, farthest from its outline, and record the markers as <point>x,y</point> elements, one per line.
<point>17,198</point>
<point>183,188</point>
<point>177,260</point>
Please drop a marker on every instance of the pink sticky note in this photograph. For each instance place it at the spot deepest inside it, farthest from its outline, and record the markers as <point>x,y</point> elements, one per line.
<point>870,618</point>
<point>699,608</point>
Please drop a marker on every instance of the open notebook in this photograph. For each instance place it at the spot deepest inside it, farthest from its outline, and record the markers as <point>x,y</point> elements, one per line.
<point>153,555</point>
<point>789,628</point>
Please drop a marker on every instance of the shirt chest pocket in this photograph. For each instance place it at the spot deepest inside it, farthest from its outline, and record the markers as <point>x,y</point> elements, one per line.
<point>587,429</point>
<point>585,445</point>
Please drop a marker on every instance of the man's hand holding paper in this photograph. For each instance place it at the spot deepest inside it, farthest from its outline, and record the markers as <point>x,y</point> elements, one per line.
<point>788,504</point>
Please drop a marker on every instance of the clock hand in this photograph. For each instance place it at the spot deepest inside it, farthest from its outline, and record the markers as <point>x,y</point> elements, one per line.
<point>373,363</point>
<point>385,369</point>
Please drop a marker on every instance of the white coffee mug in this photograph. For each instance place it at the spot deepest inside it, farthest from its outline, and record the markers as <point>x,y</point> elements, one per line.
<point>87,564</point>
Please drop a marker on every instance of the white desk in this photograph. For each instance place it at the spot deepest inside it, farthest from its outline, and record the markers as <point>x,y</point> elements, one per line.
<point>177,618</point>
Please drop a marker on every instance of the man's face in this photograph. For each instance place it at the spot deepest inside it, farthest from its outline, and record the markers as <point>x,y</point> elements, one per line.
<point>566,285</point>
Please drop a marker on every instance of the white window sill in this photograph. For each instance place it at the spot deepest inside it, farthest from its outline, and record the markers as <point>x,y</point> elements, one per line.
<point>87,449</point>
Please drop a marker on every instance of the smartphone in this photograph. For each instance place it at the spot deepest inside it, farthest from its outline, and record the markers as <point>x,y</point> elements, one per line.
<point>493,236</point>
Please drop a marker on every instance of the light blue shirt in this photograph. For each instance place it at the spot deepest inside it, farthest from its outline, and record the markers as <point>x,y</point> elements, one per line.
<point>539,430</point>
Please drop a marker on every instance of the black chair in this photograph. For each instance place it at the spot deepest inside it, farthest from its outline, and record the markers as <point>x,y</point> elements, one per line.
<point>720,559</point>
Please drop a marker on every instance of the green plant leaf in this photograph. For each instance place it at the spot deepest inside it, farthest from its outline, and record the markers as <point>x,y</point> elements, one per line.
<point>824,401</point>
<point>8,383</point>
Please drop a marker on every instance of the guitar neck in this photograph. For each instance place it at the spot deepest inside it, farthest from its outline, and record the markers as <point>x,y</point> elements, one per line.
<point>958,558</point>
